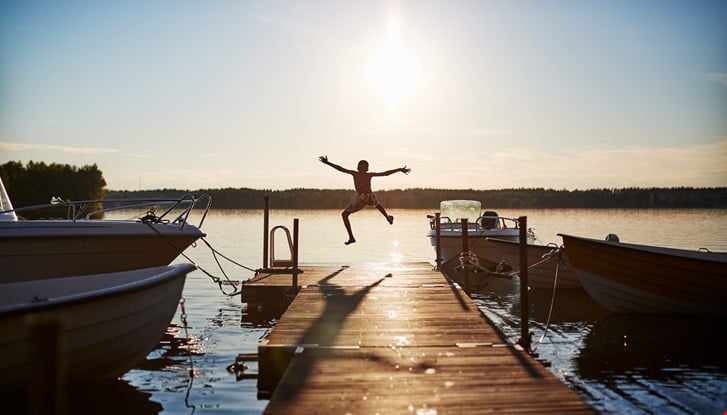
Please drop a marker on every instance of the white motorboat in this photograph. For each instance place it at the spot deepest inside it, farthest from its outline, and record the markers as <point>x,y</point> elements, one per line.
<point>81,245</point>
<point>480,226</point>
<point>86,328</point>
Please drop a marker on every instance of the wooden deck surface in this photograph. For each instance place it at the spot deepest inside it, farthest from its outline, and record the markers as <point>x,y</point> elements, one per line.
<point>399,339</point>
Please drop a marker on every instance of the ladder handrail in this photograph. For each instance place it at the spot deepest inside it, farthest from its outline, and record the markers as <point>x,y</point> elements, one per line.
<point>273,261</point>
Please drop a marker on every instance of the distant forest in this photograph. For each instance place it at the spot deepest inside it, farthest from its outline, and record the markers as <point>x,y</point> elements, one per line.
<point>244,198</point>
<point>37,182</point>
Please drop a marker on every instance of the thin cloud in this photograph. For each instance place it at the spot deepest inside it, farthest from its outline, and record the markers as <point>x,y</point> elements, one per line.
<point>719,77</point>
<point>297,19</point>
<point>409,156</point>
<point>588,167</point>
<point>271,19</point>
<point>10,146</point>
<point>410,128</point>
<point>648,166</point>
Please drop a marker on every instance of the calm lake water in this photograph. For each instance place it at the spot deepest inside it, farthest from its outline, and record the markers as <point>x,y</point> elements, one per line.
<point>619,364</point>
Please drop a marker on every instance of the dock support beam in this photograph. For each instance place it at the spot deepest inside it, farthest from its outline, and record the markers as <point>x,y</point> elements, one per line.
<point>266,229</point>
<point>294,254</point>
<point>466,250</point>
<point>465,235</point>
<point>524,300</point>
<point>438,232</point>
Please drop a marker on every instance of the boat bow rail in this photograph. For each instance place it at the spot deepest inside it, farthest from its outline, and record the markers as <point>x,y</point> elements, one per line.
<point>88,209</point>
<point>488,221</point>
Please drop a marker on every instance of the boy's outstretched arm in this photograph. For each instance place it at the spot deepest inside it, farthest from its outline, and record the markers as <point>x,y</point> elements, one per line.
<point>324,160</point>
<point>404,170</point>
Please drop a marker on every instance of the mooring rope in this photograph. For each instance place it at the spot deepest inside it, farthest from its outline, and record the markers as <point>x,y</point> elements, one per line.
<point>215,253</point>
<point>215,279</point>
<point>189,354</point>
<point>545,258</point>
<point>550,311</point>
<point>553,254</point>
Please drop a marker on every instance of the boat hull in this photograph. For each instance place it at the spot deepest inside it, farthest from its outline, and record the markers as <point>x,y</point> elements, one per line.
<point>631,278</point>
<point>106,324</point>
<point>542,275</point>
<point>32,250</point>
<point>452,247</point>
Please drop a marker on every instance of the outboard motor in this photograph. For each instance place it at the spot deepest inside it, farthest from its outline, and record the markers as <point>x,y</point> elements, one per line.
<point>489,220</point>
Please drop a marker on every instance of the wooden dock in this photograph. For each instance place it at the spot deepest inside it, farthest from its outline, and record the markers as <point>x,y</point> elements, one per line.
<point>394,338</point>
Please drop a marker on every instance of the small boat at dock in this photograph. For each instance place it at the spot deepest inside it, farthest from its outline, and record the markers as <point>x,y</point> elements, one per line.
<point>631,278</point>
<point>480,226</point>
<point>81,244</point>
<point>85,327</point>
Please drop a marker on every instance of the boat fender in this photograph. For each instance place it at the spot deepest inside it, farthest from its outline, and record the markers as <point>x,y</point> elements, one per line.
<point>612,237</point>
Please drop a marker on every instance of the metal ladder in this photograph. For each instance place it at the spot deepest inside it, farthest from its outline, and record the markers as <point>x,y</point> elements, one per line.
<point>283,263</point>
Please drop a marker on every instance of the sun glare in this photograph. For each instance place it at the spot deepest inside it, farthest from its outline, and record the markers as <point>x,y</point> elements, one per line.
<point>394,71</point>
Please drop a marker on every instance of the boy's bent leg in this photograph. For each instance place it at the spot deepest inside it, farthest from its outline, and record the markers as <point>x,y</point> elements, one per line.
<point>345,214</point>
<point>388,217</point>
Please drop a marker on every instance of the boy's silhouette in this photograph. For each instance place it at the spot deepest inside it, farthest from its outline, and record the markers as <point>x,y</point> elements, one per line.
<point>364,195</point>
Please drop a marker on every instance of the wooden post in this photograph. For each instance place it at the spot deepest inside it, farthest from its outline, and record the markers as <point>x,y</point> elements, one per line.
<point>524,301</point>
<point>438,233</point>
<point>465,236</point>
<point>266,229</point>
<point>294,254</point>
<point>465,249</point>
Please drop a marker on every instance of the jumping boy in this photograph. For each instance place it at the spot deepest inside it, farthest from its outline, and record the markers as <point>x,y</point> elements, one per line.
<point>364,195</point>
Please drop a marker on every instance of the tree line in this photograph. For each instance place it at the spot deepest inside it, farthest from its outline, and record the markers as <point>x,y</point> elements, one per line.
<point>419,198</point>
<point>37,182</point>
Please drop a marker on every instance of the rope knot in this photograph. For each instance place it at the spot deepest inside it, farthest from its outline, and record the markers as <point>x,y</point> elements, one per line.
<point>468,259</point>
<point>151,217</point>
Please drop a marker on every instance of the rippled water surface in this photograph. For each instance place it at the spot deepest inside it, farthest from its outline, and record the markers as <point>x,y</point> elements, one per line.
<point>619,364</point>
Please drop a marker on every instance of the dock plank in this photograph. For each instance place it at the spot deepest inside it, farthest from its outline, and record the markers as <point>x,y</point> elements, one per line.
<point>400,338</point>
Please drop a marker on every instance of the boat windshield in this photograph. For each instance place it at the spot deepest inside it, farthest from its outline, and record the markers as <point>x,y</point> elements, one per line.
<point>455,210</point>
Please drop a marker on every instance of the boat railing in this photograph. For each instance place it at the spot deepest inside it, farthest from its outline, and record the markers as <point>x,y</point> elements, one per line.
<point>488,222</point>
<point>78,210</point>
<point>484,222</point>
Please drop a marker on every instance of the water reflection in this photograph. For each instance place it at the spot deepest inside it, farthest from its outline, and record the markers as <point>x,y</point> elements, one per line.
<point>172,350</point>
<point>258,316</point>
<point>115,396</point>
<point>101,397</point>
<point>568,305</point>
<point>656,347</point>
<point>502,297</point>
<point>655,364</point>
<point>110,397</point>
<point>620,363</point>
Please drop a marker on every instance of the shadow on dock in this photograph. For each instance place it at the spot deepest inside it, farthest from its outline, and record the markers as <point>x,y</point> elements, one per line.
<point>322,335</point>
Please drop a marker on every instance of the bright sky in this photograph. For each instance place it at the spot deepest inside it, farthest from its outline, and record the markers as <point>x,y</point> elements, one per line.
<point>468,94</point>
